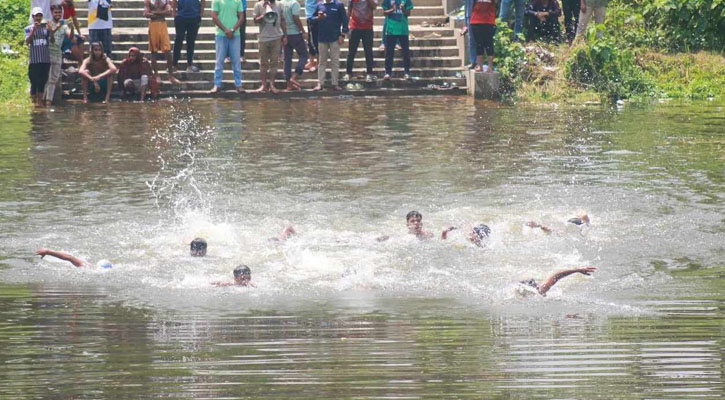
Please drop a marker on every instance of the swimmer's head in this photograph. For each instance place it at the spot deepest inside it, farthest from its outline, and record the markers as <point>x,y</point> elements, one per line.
<point>478,233</point>
<point>242,275</point>
<point>198,247</point>
<point>580,219</point>
<point>530,282</point>
<point>105,264</point>
<point>414,219</point>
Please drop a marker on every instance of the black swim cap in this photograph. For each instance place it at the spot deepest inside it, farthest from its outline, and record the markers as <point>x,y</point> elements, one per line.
<point>242,270</point>
<point>414,214</point>
<point>483,231</point>
<point>198,247</point>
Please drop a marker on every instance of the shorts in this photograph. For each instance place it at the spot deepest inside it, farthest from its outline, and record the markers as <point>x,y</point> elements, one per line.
<point>101,94</point>
<point>137,83</point>
<point>38,75</point>
<point>159,37</point>
<point>483,36</point>
<point>68,43</point>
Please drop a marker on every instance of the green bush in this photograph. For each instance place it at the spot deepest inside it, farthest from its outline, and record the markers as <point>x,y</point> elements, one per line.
<point>14,17</point>
<point>509,60</point>
<point>687,25</point>
<point>602,65</point>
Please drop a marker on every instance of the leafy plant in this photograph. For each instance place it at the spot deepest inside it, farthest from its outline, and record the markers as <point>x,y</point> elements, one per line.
<point>687,25</point>
<point>610,70</point>
<point>509,60</point>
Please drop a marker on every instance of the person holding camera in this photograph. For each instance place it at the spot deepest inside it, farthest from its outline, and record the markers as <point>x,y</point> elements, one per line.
<point>332,20</point>
<point>272,35</point>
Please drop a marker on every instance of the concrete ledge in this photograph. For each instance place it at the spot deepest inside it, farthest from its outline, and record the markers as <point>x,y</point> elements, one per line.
<point>483,85</point>
<point>304,94</point>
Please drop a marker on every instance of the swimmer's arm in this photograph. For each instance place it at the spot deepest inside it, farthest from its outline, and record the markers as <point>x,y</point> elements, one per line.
<point>533,224</point>
<point>382,238</point>
<point>61,255</point>
<point>444,234</point>
<point>562,274</point>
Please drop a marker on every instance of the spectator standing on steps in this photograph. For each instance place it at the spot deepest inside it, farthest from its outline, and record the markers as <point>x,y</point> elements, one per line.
<point>332,19</point>
<point>100,24</point>
<point>571,9</point>
<point>272,35</point>
<point>598,8</point>
<point>58,31</point>
<point>361,29</point>
<point>519,8</point>
<point>295,42</point>
<point>157,11</point>
<point>397,32</point>
<point>37,37</point>
<point>228,16</point>
<point>544,20</point>
<point>313,30</point>
<point>186,23</point>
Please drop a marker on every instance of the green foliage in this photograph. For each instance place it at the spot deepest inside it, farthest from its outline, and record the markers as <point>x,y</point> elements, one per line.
<point>610,70</point>
<point>14,17</point>
<point>14,68</point>
<point>509,60</point>
<point>674,25</point>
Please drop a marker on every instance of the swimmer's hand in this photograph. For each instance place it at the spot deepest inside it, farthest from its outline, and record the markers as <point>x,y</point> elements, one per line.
<point>532,224</point>
<point>383,238</point>
<point>586,270</point>
<point>444,234</point>
<point>42,252</point>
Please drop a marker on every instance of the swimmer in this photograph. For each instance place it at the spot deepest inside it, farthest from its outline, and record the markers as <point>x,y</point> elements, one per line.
<point>197,247</point>
<point>543,288</point>
<point>78,262</point>
<point>414,220</point>
<point>288,231</point>
<point>581,219</point>
<point>476,235</point>
<point>242,277</point>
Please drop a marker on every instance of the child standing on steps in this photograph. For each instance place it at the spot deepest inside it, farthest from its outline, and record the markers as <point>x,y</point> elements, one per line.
<point>397,32</point>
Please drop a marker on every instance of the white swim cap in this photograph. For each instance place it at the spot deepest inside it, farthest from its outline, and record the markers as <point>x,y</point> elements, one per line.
<point>105,264</point>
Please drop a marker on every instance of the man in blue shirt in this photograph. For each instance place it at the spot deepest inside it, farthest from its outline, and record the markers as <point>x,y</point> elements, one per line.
<point>186,23</point>
<point>332,20</point>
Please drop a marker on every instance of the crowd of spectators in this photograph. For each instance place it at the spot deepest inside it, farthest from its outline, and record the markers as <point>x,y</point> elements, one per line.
<point>54,30</point>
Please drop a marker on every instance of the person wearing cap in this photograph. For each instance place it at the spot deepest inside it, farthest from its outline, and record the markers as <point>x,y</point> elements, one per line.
<point>272,35</point>
<point>135,75</point>
<point>581,219</point>
<point>100,24</point>
<point>58,33</point>
<point>157,11</point>
<point>242,277</point>
<point>332,19</point>
<point>38,37</point>
<point>197,247</point>
<point>44,6</point>
<point>78,262</point>
<point>476,235</point>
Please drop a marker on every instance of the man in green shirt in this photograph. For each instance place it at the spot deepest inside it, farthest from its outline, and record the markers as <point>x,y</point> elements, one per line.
<point>228,16</point>
<point>396,32</point>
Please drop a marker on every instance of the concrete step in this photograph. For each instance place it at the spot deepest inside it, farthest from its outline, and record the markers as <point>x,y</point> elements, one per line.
<point>378,63</point>
<point>423,43</point>
<point>83,5</point>
<point>140,34</point>
<point>253,54</point>
<point>133,12</point>
<point>143,22</point>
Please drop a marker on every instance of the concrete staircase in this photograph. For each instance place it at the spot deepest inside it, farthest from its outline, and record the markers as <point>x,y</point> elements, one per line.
<point>435,59</point>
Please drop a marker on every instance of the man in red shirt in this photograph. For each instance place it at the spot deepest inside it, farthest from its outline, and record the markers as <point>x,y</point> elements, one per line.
<point>361,28</point>
<point>75,43</point>
<point>483,27</point>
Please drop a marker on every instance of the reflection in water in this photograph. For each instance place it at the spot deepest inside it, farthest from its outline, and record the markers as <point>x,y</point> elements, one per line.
<point>336,313</point>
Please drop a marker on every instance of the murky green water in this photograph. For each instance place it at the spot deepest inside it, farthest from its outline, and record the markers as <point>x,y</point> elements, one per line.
<point>337,314</point>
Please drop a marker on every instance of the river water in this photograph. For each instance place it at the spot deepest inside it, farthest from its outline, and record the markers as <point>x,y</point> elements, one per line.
<point>336,313</point>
